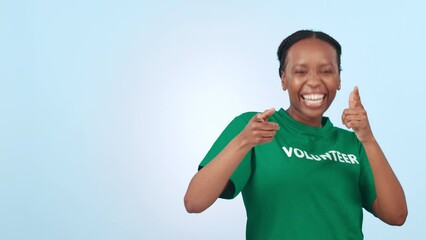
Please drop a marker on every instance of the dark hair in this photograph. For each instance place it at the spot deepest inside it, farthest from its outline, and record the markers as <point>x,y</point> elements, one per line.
<point>304,34</point>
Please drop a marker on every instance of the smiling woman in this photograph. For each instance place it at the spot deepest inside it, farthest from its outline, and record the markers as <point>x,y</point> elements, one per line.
<point>263,155</point>
<point>311,75</point>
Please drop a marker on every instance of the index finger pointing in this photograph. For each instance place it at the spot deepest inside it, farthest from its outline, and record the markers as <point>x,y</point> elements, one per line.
<point>355,99</point>
<point>266,114</point>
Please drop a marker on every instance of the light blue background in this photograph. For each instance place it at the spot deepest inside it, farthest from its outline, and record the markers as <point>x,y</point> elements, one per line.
<point>107,107</point>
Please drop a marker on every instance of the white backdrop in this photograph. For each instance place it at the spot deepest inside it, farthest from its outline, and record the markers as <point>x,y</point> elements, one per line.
<point>107,107</point>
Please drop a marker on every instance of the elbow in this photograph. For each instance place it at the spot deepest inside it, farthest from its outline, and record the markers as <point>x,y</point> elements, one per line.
<point>191,206</point>
<point>398,219</point>
<point>394,215</point>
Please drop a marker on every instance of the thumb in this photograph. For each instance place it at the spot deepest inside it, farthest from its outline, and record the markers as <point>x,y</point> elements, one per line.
<point>355,99</point>
<point>266,114</point>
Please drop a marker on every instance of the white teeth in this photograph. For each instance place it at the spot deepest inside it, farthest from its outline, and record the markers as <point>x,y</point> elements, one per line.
<point>313,97</point>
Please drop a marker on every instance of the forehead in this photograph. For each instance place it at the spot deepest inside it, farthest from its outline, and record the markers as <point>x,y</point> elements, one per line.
<point>311,50</point>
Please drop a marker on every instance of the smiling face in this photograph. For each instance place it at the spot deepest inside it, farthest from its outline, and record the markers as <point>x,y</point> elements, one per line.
<point>311,76</point>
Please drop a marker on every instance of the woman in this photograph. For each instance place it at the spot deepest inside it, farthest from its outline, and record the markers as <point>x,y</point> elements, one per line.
<point>301,177</point>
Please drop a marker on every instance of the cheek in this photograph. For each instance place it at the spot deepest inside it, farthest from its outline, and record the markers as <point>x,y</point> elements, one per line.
<point>295,82</point>
<point>332,83</point>
<point>332,94</point>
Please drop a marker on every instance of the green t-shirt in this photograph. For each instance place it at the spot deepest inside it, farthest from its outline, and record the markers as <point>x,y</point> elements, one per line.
<point>308,183</point>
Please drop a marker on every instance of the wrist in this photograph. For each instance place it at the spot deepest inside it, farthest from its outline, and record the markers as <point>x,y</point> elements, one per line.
<point>243,143</point>
<point>368,140</point>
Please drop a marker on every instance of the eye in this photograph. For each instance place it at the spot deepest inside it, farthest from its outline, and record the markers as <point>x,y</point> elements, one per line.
<point>327,71</point>
<point>300,71</point>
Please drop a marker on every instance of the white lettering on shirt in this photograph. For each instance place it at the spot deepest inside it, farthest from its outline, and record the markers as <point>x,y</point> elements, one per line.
<point>331,155</point>
<point>289,152</point>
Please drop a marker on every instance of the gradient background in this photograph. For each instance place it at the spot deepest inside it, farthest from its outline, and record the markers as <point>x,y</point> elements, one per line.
<point>107,107</point>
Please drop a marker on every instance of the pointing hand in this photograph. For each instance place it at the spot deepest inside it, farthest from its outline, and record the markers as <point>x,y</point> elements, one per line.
<point>355,117</point>
<point>355,99</point>
<point>259,130</point>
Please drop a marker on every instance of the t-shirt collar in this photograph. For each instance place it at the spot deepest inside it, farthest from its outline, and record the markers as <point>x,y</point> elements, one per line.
<point>285,119</point>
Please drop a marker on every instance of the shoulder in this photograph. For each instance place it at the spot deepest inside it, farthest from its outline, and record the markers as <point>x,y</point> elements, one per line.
<point>239,122</point>
<point>342,131</point>
<point>249,115</point>
<point>245,117</point>
<point>346,134</point>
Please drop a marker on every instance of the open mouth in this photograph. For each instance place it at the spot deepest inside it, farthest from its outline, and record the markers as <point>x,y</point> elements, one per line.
<point>313,100</point>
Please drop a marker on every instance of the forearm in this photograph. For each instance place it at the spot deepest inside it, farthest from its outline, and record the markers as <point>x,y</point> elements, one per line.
<point>390,205</point>
<point>208,183</point>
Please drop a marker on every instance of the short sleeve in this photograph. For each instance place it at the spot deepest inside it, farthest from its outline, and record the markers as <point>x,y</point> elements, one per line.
<point>367,186</point>
<point>243,172</point>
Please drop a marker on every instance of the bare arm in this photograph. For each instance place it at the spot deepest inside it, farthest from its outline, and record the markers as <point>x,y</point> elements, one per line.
<point>390,205</point>
<point>208,183</point>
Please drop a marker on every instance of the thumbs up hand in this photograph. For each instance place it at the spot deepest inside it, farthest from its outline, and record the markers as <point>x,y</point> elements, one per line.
<point>355,117</point>
<point>258,130</point>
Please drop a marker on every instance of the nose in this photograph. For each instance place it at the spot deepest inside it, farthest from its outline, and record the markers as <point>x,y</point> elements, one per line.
<point>313,80</point>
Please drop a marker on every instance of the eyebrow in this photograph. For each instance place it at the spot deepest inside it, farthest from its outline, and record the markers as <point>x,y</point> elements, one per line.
<point>321,65</point>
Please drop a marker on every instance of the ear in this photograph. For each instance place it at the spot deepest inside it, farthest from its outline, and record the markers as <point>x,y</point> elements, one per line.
<point>338,83</point>
<point>283,81</point>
